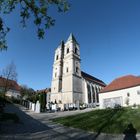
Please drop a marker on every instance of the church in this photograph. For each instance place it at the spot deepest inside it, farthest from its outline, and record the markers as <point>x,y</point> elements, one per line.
<point>70,85</point>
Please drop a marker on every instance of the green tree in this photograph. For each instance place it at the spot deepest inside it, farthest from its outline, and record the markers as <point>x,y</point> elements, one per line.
<point>42,100</point>
<point>38,9</point>
<point>26,92</point>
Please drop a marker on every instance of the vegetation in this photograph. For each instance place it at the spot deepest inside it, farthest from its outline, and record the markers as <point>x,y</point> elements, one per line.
<point>42,100</point>
<point>107,121</point>
<point>26,92</point>
<point>30,9</point>
<point>33,98</point>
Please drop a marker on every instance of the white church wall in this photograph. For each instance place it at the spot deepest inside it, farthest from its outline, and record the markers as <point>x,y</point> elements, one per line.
<point>132,94</point>
<point>77,97</point>
<point>67,97</point>
<point>55,96</point>
<point>67,84</point>
<point>84,89</point>
<point>77,84</point>
<point>54,86</point>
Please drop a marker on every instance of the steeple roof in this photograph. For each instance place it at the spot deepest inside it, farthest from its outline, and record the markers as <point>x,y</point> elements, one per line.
<point>71,37</point>
<point>61,45</point>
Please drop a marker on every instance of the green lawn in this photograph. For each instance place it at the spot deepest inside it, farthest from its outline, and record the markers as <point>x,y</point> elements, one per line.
<point>108,121</point>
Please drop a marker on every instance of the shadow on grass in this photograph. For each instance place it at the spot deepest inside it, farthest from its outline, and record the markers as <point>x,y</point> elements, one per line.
<point>130,132</point>
<point>107,120</point>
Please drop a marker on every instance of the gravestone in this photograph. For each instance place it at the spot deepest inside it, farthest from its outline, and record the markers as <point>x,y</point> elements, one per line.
<point>37,107</point>
<point>33,106</point>
<point>30,105</point>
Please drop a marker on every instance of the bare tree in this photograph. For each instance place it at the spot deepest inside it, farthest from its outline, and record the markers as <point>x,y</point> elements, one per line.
<point>9,76</point>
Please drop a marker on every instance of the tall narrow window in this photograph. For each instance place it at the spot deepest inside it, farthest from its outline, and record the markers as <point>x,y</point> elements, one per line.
<point>76,50</point>
<point>57,57</point>
<point>76,69</point>
<point>67,50</point>
<point>55,74</point>
<point>89,93</point>
<point>67,70</point>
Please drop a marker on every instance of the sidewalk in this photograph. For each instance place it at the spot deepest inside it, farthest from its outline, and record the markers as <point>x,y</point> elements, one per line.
<point>39,126</point>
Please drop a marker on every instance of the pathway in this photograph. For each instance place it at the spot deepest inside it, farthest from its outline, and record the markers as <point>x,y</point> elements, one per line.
<point>40,127</point>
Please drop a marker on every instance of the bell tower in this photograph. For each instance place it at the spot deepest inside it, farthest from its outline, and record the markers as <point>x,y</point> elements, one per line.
<point>71,78</point>
<point>56,86</point>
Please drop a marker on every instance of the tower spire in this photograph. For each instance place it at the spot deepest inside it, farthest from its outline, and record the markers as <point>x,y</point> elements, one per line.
<point>71,37</point>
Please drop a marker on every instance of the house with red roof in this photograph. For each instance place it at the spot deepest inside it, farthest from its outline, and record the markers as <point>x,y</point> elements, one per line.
<point>123,91</point>
<point>11,87</point>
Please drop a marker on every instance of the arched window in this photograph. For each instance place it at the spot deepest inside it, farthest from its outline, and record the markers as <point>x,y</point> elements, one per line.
<point>67,50</point>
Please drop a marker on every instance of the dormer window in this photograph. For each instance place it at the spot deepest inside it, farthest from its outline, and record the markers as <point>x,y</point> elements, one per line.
<point>67,50</point>
<point>57,57</point>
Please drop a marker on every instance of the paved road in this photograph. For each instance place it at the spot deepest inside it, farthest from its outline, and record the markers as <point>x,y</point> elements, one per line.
<point>40,127</point>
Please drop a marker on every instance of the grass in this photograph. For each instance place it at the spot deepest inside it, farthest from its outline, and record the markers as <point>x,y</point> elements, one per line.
<point>106,121</point>
<point>9,117</point>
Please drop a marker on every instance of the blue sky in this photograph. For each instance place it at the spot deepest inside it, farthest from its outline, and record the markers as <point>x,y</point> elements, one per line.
<point>108,32</point>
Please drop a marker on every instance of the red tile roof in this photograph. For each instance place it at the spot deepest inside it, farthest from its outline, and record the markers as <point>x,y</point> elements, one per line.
<point>92,79</point>
<point>11,84</point>
<point>122,83</point>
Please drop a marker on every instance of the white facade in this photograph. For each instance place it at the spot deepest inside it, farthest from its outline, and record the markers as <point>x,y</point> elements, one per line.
<point>123,97</point>
<point>68,85</point>
<point>13,93</point>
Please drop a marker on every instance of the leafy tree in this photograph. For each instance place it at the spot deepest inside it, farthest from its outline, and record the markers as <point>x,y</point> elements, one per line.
<point>42,100</point>
<point>33,98</point>
<point>38,9</point>
<point>26,92</point>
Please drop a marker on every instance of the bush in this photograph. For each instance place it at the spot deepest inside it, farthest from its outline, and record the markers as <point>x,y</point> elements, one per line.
<point>14,100</point>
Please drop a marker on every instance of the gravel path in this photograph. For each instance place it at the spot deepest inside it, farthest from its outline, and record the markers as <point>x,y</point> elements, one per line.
<point>34,126</point>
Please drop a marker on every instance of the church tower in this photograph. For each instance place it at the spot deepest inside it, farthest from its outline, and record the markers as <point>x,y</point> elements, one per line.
<point>56,86</point>
<point>71,78</point>
<point>70,86</point>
